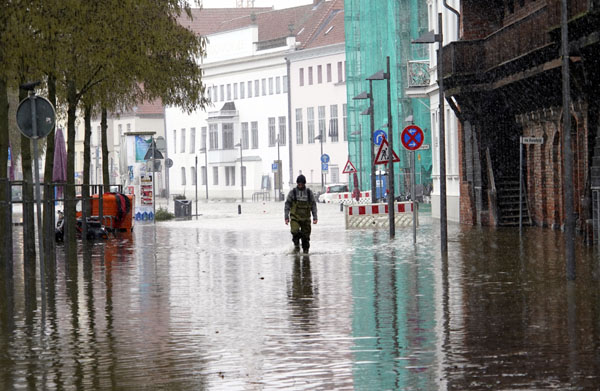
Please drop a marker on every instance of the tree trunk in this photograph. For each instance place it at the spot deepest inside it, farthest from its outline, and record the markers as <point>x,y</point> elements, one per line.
<point>85,192</point>
<point>70,202</point>
<point>5,228</point>
<point>105,162</point>
<point>48,171</point>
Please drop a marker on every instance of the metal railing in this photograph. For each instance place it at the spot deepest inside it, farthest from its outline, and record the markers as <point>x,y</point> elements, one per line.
<point>418,73</point>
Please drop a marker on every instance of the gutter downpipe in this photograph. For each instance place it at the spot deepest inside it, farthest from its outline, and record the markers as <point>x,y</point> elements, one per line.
<point>457,15</point>
<point>289,94</point>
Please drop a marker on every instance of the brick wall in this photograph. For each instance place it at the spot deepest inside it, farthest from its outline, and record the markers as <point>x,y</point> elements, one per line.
<point>480,18</point>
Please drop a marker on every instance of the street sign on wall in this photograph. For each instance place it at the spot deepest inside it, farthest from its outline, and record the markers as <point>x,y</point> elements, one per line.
<point>532,140</point>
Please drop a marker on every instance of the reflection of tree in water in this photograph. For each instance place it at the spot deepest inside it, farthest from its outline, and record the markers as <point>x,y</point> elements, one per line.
<point>302,295</point>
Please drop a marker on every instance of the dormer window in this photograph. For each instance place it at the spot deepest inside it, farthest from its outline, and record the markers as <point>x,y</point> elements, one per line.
<point>329,29</point>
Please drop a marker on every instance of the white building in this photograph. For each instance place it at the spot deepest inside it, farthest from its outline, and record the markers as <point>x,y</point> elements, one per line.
<point>450,33</point>
<point>249,68</point>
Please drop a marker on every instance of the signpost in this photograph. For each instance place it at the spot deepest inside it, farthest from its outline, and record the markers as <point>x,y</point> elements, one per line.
<point>412,139</point>
<point>35,118</point>
<point>524,140</point>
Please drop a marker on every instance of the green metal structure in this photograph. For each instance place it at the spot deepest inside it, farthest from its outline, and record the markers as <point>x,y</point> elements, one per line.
<point>375,30</point>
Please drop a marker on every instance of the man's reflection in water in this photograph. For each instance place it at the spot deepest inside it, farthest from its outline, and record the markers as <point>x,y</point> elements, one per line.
<point>302,296</point>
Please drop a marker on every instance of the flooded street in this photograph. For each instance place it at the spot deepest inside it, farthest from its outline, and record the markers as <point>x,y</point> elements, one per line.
<point>220,303</point>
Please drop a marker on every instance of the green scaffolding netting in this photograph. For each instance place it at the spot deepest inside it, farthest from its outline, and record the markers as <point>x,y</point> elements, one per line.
<point>375,30</point>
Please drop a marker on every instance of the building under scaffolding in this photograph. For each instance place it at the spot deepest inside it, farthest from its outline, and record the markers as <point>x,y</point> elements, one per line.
<point>375,30</point>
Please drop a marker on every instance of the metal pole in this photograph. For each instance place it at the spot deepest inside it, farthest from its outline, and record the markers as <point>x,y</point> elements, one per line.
<point>391,198</point>
<point>520,185</point>
<point>196,182</point>
<point>360,157</point>
<point>153,192</point>
<point>443,211</point>
<point>279,170</point>
<point>373,175</point>
<point>568,153</point>
<point>322,179</point>
<point>412,193</point>
<point>38,196</point>
<point>242,170</point>
<point>206,171</point>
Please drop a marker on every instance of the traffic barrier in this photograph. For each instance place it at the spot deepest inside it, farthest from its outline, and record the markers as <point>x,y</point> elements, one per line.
<point>376,215</point>
<point>347,199</point>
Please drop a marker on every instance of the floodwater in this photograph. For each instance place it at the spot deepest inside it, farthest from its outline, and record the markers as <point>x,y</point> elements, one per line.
<point>219,303</point>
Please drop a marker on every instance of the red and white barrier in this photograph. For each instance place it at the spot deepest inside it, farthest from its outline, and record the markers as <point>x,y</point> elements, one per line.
<point>347,198</point>
<point>376,215</point>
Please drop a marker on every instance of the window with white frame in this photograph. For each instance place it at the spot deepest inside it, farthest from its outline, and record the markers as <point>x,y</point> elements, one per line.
<point>193,174</point>
<point>301,76</point>
<point>242,90</point>
<point>230,176</point>
<point>213,135</point>
<point>328,73</point>
<point>245,136</point>
<point>203,138</point>
<point>278,85</point>
<point>345,120</point>
<point>174,140</point>
<point>257,88</point>
<point>243,175</point>
<point>322,124</point>
<point>203,170</point>
<point>228,91</point>
<point>319,74</point>
<point>264,87</point>
<point>270,86</point>
<point>284,81</point>
<point>215,176</point>
<point>272,135</point>
<point>333,123</point>
<point>299,130</point>
<point>182,176</point>
<point>254,130</point>
<point>250,89</point>
<point>282,130</point>
<point>182,149</point>
<point>192,140</point>
<point>310,75</point>
<point>222,87</point>
<point>235,90</point>
<point>228,136</point>
<point>310,124</point>
<point>340,72</point>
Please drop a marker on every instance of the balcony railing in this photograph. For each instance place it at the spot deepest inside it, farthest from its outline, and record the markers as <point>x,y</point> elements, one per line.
<point>222,113</point>
<point>419,73</point>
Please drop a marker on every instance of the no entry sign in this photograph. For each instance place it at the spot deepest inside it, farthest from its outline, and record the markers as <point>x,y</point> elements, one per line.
<point>412,137</point>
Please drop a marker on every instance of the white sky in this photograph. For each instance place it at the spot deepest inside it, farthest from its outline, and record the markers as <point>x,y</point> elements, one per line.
<point>278,4</point>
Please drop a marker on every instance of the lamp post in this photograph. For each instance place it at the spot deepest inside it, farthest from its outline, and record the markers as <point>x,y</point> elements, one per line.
<point>369,111</point>
<point>196,183</point>
<point>279,169</point>
<point>241,168</point>
<point>320,138</point>
<point>386,76</point>
<point>360,167</point>
<point>427,38</point>
<point>205,176</point>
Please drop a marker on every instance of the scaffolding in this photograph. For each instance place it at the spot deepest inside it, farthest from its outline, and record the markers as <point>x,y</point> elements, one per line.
<point>375,30</point>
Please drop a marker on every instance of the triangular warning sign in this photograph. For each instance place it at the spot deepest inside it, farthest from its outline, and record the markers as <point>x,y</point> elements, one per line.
<point>349,168</point>
<point>383,156</point>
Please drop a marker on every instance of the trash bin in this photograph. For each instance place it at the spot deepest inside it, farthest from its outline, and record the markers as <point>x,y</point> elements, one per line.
<point>183,208</point>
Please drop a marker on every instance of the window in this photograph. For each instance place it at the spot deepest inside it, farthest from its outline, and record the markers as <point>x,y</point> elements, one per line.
<point>193,172</point>
<point>227,136</point>
<point>340,72</point>
<point>328,73</point>
<point>203,138</point>
<point>264,87</point>
<point>213,135</point>
<point>182,176</point>
<point>272,137</point>
<point>249,89</point>
<point>254,129</point>
<point>209,92</point>
<point>243,175</point>
<point>333,123</point>
<point>256,88</point>
<point>228,91</point>
<point>215,176</point>
<point>310,124</point>
<point>299,130</point>
<point>242,90</point>
<point>235,90</point>
<point>203,170</point>
<point>192,140</point>
<point>345,121</point>
<point>278,85</point>
<point>301,76</point>
<point>120,130</point>
<point>222,92</point>
<point>322,124</point>
<point>310,76</point>
<point>285,86</point>
<point>319,74</point>
<point>282,128</point>
<point>229,176</point>
<point>174,140</point>
<point>270,86</point>
<point>215,91</point>
<point>182,148</point>
<point>245,136</point>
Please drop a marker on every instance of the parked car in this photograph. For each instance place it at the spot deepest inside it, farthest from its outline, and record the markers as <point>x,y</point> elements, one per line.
<point>331,191</point>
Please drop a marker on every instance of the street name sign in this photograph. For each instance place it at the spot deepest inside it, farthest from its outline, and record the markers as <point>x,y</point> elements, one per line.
<point>532,140</point>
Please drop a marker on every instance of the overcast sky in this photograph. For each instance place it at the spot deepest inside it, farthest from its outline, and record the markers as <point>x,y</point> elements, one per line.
<point>278,4</point>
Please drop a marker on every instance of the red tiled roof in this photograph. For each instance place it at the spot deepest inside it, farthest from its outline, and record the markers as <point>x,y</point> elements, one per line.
<point>329,27</point>
<point>146,108</point>
<point>208,20</point>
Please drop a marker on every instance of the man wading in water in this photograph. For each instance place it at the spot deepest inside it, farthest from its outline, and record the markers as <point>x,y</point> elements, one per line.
<point>299,205</point>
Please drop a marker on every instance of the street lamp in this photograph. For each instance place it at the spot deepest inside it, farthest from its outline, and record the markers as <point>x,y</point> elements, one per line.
<point>241,168</point>
<point>360,166</point>
<point>205,176</point>
<point>369,111</point>
<point>386,76</point>
<point>196,183</point>
<point>427,38</point>
<point>320,138</point>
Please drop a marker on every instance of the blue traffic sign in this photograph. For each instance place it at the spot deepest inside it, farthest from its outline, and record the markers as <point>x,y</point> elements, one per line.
<point>324,167</point>
<point>274,166</point>
<point>324,158</point>
<point>378,136</point>
<point>412,137</point>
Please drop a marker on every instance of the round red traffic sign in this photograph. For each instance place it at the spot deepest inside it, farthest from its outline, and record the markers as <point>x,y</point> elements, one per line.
<point>412,137</point>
